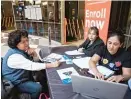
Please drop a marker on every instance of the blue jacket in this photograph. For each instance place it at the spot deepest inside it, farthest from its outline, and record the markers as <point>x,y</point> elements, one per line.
<point>16,76</point>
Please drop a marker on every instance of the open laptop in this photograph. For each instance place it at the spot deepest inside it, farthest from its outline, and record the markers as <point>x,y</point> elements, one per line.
<point>98,89</point>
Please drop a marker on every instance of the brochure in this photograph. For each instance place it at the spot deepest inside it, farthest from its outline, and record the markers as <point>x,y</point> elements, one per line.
<point>65,74</point>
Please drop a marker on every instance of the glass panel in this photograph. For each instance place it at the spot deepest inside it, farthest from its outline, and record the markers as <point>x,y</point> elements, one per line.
<point>51,18</point>
<point>54,19</point>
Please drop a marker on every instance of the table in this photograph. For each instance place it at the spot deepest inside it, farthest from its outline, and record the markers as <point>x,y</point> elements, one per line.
<point>57,89</point>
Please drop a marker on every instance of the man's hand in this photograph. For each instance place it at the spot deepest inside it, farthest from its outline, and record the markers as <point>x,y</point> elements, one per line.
<point>116,78</point>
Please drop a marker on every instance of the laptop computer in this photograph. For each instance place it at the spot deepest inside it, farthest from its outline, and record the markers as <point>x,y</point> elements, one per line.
<point>98,89</point>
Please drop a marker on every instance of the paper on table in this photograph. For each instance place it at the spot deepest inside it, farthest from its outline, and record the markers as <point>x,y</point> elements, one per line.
<point>62,59</point>
<point>105,71</point>
<point>74,52</point>
<point>65,74</point>
<point>82,62</point>
<point>52,58</point>
<point>54,55</point>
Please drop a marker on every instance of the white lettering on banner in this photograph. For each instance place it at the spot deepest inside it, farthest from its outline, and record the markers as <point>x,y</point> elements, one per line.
<point>96,14</point>
<point>98,23</point>
<point>101,14</point>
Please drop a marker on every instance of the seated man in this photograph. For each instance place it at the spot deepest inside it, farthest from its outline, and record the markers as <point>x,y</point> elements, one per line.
<point>92,43</point>
<point>18,64</point>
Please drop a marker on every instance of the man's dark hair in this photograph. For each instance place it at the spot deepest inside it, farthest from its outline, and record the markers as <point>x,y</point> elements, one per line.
<point>119,34</point>
<point>15,37</point>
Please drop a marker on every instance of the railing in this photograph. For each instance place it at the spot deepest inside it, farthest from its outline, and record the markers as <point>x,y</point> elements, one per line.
<point>75,28</point>
<point>40,28</point>
<point>7,22</point>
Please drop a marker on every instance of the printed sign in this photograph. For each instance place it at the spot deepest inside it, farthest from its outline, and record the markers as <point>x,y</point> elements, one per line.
<point>97,13</point>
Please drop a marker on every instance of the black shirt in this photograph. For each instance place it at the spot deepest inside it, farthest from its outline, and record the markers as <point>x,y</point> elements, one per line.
<point>89,50</point>
<point>114,62</point>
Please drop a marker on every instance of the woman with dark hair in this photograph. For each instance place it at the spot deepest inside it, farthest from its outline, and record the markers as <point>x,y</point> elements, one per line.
<point>92,43</point>
<point>114,57</point>
<point>18,64</point>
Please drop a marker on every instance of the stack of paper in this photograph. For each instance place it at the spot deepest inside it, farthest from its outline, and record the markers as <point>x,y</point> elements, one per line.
<point>74,52</point>
<point>82,62</point>
<point>65,74</point>
<point>52,57</point>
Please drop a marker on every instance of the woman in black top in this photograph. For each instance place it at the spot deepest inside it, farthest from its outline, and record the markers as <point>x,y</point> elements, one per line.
<point>113,57</point>
<point>92,43</point>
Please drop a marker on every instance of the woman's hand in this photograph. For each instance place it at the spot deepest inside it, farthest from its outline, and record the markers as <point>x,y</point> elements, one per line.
<point>98,75</point>
<point>54,64</point>
<point>31,51</point>
<point>116,78</point>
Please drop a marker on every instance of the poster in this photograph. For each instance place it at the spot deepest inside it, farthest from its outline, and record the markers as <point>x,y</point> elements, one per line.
<point>38,14</point>
<point>97,13</point>
<point>33,12</point>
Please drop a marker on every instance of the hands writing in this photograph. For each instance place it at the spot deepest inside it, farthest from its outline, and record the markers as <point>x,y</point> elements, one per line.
<point>116,78</point>
<point>99,75</point>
